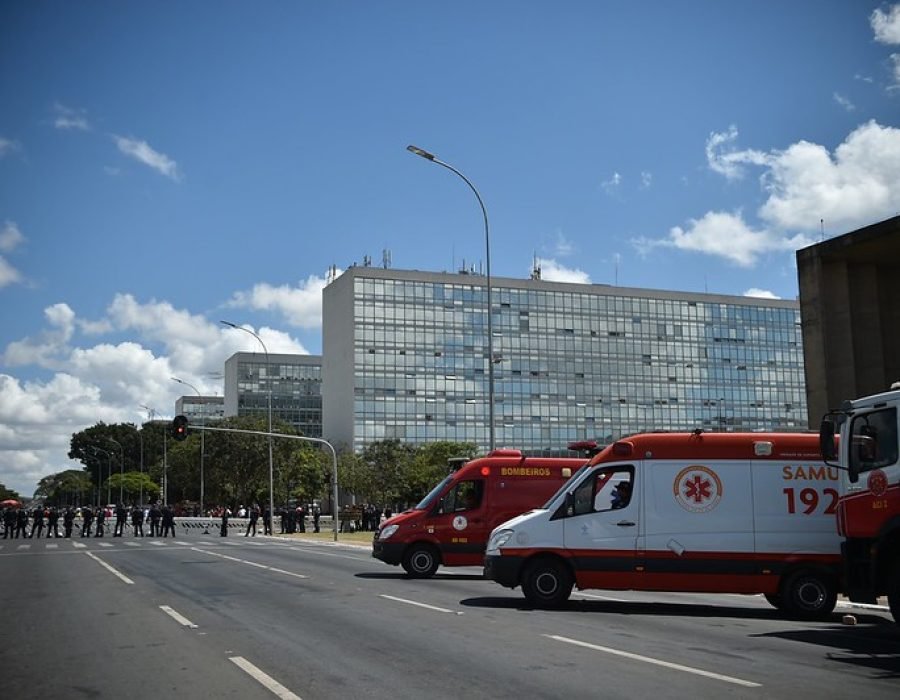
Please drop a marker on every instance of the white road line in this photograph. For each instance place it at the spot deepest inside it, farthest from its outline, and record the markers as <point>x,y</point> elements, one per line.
<point>594,596</point>
<point>421,605</point>
<point>109,568</point>
<point>177,616</point>
<point>24,546</point>
<point>249,563</point>
<point>107,544</point>
<point>657,662</point>
<point>132,544</point>
<point>52,546</point>
<point>79,545</point>
<point>263,679</point>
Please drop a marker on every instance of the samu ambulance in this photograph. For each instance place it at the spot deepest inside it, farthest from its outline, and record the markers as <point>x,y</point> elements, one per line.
<point>707,512</point>
<point>450,526</point>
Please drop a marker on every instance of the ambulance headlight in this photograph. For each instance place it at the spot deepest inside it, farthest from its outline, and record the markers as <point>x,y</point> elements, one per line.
<point>386,532</point>
<point>498,539</point>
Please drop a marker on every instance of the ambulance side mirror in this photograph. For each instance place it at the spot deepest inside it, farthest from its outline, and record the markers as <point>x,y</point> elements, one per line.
<point>570,503</point>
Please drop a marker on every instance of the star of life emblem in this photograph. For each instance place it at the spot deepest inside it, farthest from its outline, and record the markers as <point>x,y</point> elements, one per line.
<point>697,489</point>
<point>460,522</point>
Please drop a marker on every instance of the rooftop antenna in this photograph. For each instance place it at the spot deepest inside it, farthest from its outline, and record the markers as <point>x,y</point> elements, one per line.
<point>822,227</point>
<point>386,259</point>
<point>535,268</point>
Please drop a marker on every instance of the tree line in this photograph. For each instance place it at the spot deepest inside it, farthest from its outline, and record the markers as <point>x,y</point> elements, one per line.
<point>133,460</point>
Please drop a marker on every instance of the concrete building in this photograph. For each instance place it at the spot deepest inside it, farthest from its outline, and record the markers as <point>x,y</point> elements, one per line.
<point>405,356</point>
<point>295,382</point>
<point>850,307</point>
<point>200,408</point>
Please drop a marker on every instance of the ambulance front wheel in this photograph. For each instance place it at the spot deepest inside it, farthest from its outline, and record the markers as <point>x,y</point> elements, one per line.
<point>420,561</point>
<point>809,595</point>
<point>547,583</point>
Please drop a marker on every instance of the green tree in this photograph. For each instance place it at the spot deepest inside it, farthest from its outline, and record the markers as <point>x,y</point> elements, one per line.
<point>6,493</point>
<point>69,487</point>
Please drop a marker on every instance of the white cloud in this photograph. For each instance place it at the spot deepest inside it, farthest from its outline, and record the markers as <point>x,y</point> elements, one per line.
<point>143,153</point>
<point>886,25</point>
<point>108,381</point>
<point>844,102</point>
<point>858,185</point>
<point>7,146</point>
<point>724,159</point>
<point>562,246</point>
<point>301,306</point>
<point>10,239</point>
<point>611,185</point>
<point>724,235</point>
<point>68,119</point>
<point>761,293</point>
<point>552,271</point>
<point>646,179</point>
<point>895,59</point>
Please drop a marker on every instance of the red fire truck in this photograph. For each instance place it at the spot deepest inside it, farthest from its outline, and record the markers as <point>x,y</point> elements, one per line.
<point>450,526</point>
<point>869,507</point>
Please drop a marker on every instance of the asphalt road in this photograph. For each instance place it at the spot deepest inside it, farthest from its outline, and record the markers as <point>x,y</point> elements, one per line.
<point>235,617</point>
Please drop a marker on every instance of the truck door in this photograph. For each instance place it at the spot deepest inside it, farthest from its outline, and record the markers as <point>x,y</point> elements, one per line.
<point>458,523</point>
<point>600,530</point>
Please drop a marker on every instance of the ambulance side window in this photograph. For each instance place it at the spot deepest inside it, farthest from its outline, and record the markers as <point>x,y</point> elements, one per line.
<point>607,489</point>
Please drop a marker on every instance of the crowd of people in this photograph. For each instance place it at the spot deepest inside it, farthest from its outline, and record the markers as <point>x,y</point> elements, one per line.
<point>91,522</point>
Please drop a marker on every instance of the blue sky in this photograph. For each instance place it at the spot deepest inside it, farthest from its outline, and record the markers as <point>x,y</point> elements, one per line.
<point>167,165</point>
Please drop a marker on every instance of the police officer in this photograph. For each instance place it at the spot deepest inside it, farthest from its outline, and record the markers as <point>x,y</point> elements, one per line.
<point>225,514</point>
<point>121,517</point>
<point>9,522</point>
<point>254,516</point>
<point>38,523</point>
<point>155,515</point>
<point>137,521</point>
<point>101,518</point>
<point>87,518</point>
<point>168,521</point>
<point>68,521</point>
<point>52,523</point>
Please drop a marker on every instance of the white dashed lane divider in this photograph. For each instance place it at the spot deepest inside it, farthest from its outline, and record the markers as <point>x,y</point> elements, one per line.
<point>248,563</point>
<point>177,616</point>
<point>109,568</point>
<point>263,679</point>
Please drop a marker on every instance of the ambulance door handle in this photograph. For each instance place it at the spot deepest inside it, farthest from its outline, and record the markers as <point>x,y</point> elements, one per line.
<point>625,523</point>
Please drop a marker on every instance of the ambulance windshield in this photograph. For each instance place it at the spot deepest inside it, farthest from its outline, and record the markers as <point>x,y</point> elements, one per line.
<point>565,486</point>
<point>425,502</point>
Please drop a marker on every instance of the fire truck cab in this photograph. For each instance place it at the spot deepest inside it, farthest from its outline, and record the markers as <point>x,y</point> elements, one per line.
<point>868,453</point>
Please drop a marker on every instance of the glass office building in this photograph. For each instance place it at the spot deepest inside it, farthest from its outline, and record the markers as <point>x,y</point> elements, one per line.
<point>405,355</point>
<point>198,409</point>
<point>294,380</point>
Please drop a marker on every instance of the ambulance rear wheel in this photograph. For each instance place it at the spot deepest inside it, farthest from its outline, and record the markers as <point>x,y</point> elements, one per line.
<point>420,561</point>
<point>809,595</point>
<point>547,583</point>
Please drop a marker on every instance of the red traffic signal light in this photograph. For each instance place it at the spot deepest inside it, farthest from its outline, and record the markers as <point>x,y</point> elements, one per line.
<point>179,428</point>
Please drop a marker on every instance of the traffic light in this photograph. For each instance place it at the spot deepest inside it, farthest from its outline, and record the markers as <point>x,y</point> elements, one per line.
<point>179,428</point>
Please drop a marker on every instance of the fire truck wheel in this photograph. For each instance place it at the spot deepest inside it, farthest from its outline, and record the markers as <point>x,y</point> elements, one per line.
<point>547,583</point>
<point>420,561</point>
<point>809,595</point>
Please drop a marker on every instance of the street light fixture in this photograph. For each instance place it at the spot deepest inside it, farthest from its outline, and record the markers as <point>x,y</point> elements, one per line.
<point>269,382</point>
<point>151,414</point>
<point>109,471</point>
<point>202,443</point>
<point>422,153</point>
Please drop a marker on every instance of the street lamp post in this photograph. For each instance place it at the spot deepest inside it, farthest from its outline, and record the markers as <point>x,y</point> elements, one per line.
<point>121,467</point>
<point>269,382</point>
<point>202,443</point>
<point>487,245</point>
<point>108,470</point>
<point>151,413</point>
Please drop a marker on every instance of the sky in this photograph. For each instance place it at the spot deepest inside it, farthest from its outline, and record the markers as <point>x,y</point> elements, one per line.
<point>168,165</point>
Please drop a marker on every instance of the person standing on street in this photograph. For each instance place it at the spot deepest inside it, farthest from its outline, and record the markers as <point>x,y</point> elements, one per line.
<point>155,515</point>
<point>254,516</point>
<point>9,523</point>
<point>121,517</point>
<point>87,518</point>
<point>68,522</point>
<point>38,523</point>
<point>52,523</point>
<point>267,521</point>
<point>101,519</point>
<point>317,513</point>
<point>225,514</point>
<point>137,521</point>
<point>168,521</point>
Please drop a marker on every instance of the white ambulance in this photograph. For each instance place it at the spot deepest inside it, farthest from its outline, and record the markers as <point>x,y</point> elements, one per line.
<point>700,512</point>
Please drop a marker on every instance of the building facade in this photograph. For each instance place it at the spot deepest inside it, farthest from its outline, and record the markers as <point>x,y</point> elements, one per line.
<point>405,355</point>
<point>850,306</point>
<point>200,408</point>
<point>295,383</point>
